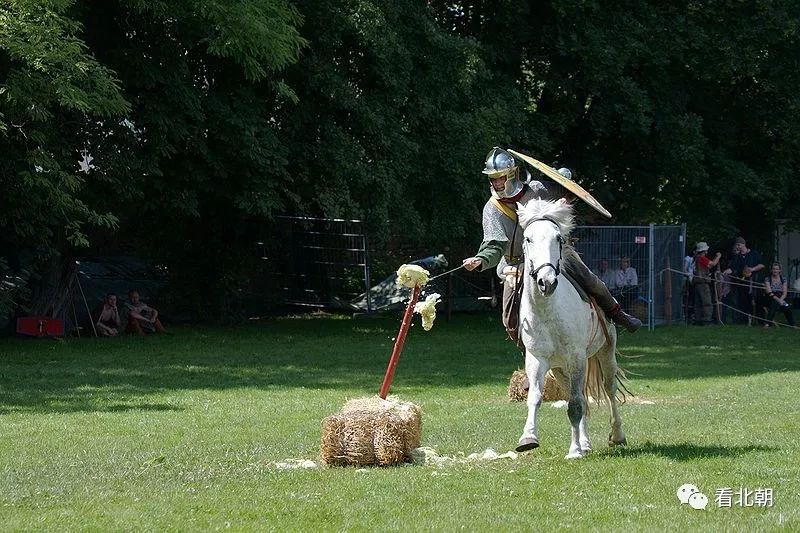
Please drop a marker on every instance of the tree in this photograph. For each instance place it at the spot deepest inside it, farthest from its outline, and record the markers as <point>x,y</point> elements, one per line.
<point>206,118</point>
<point>172,100</point>
<point>52,89</point>
<point>672,113</point>
<point>394,114</point>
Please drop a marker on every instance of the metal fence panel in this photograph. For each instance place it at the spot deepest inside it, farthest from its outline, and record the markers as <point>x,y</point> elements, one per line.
<point>669,247</point>
<point>326,261</point>
<point>327,264</point>
<point>638,284</point>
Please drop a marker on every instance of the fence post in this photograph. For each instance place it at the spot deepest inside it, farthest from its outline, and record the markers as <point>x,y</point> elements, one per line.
<point>684,308</point>
<point>651,281</point>
<point>667,277</point>
<point>367,277</point>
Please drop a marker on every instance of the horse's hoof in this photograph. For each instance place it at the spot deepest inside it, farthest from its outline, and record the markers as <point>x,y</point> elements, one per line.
<point>527,443</point>
<point>613,443</point>
<point>574,455</point>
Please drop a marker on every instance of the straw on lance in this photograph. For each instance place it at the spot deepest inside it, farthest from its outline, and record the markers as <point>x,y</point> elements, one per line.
<point>427,309</point>
<point>412,276</point>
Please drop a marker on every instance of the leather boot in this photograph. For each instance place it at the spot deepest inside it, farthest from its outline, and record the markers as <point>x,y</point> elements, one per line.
<point>621,318</point>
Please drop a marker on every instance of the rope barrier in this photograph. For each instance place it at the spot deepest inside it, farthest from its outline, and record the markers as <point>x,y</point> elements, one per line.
<point>748,284</point>
<point>758,319</point>
<point>751,285</point>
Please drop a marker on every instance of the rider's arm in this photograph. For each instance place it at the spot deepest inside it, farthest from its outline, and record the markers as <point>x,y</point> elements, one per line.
<point>490,253</point>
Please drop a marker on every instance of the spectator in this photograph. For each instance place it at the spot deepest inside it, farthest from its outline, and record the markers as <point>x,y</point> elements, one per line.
<point>727,295</point>
<point>687,293</point>
<point>745,267</point>
<point>701,281</point>
<point>606,275</point>
<point>688,266</point>
<point>777,288</point>
<point>627,283</point>
<point>141,317</point>
<point>108,323</point>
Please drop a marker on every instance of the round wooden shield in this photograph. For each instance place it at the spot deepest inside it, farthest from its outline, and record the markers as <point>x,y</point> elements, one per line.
<point>568,184</point>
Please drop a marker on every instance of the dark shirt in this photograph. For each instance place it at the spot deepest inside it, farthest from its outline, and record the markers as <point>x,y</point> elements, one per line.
<point>750,259</point>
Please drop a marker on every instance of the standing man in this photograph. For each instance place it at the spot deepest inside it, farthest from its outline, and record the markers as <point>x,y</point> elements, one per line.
<point>701,281</point>
<point>502,239</point>
<point>745,268</point>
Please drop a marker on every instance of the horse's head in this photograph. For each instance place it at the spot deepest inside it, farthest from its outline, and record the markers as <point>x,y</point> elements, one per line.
<point>546,226</point>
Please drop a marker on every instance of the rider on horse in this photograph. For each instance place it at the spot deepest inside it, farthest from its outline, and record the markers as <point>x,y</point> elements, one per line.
<point>502,239</point>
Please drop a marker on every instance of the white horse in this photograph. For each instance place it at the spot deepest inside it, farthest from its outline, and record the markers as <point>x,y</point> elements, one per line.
<point>561,331</point>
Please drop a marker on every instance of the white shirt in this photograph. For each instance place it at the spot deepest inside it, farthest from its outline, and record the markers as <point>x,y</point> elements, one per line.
<point>627,277</point>
<point>688,266</point>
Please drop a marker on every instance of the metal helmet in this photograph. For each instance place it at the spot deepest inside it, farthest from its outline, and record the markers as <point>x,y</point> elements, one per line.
<point>564,171</point>
<point>499,164</point>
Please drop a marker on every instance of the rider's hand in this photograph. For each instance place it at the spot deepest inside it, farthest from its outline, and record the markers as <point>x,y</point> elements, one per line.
<point>471,263</point>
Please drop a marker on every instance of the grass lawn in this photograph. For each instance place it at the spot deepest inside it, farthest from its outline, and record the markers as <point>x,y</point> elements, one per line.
<point>182,432</point>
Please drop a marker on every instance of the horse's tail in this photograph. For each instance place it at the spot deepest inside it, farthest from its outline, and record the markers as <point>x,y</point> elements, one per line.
<point>594,383</point>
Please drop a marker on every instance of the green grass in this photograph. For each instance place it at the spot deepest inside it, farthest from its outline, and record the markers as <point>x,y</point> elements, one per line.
<point>181,432</point>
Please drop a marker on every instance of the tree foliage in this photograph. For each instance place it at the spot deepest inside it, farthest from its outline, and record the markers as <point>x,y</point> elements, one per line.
<point>52,88</point>
<point>206,118</point>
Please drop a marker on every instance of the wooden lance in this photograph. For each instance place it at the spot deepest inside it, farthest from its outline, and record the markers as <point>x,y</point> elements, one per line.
<point>399,343</point>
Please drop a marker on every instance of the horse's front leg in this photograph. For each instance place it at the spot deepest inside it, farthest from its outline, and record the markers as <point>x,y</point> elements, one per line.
<point>583,430</point>
<point>563,382</point>
<point>536,368</point>
<point>576,411</point>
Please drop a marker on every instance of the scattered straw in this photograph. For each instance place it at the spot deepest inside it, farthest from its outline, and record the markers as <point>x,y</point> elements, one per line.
<point>291,464</point>
<point>428,457</point>
<point>412,276</point>
<point>371,431</point>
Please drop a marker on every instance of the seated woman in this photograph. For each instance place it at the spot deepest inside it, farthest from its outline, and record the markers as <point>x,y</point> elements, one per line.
<point>108,323</point>
<point>141,317</point>
<point>627,284</point>
<point>776,288</point>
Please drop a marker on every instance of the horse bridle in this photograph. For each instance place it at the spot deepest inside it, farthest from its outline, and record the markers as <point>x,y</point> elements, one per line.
<point>557,266</point>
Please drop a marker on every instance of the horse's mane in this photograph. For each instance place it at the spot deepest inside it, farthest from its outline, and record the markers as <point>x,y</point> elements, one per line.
<point>558,212</point>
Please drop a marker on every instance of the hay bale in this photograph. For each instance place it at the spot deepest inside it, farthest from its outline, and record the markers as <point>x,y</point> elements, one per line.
<point>516,392</point>
<point>552,389</point>
<point>371,431</point>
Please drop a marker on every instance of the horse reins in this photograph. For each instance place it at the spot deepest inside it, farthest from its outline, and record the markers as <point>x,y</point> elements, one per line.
<point>557,266</point>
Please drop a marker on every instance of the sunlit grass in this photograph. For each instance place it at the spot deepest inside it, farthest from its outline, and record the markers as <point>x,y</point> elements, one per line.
<point>182,432</point>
